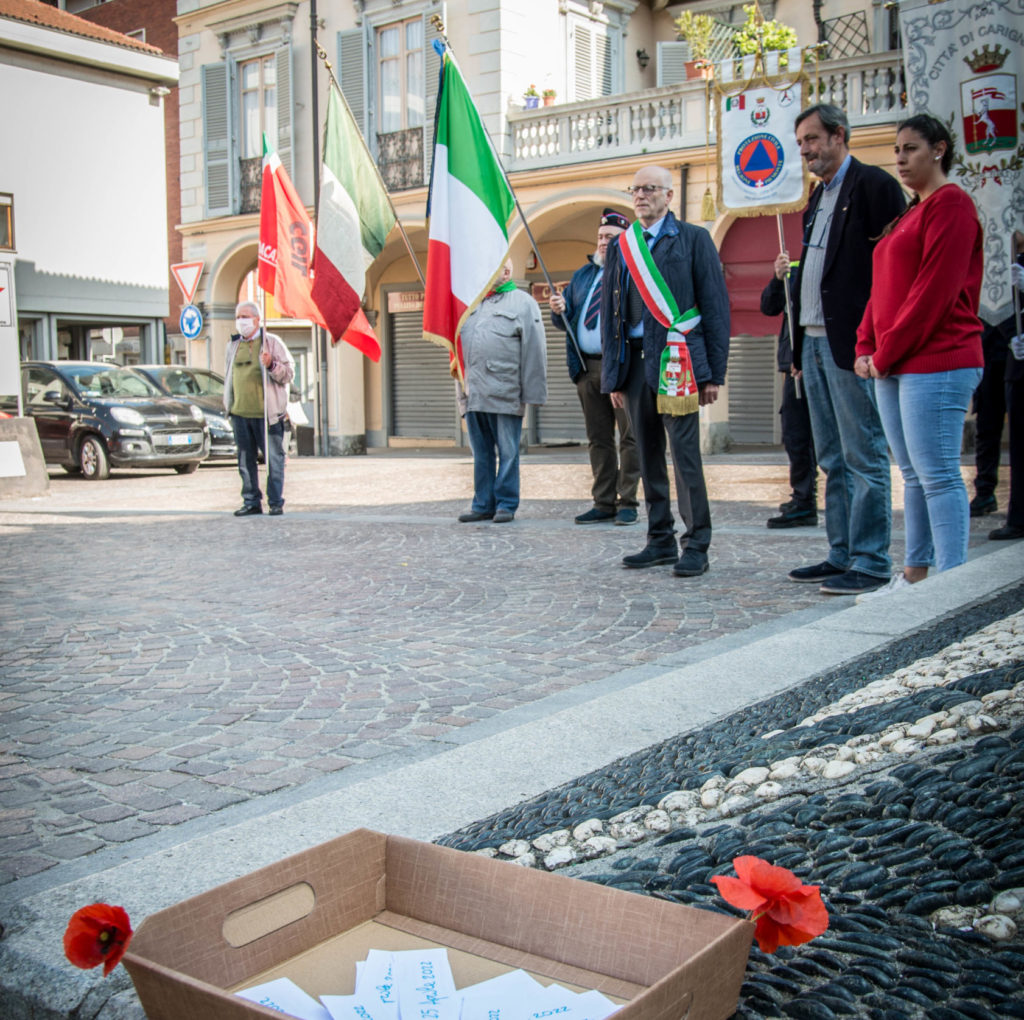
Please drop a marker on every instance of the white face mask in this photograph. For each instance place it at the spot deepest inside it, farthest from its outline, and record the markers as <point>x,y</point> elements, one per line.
<point>245,326</point>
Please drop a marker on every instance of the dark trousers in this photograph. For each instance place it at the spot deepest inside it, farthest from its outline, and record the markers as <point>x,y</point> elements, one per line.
<point>990,403</point>
<point>683,440</point>
<point>799,444</point>
<point>616,471</point>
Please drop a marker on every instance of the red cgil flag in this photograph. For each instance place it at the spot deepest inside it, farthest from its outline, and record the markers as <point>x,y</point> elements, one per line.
<point>286,243</point>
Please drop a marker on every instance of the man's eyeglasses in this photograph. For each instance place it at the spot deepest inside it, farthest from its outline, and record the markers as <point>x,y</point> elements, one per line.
<point>645,189</point>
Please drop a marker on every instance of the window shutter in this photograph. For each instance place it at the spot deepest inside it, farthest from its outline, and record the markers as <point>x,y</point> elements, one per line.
<point>431,72</point>
<point>672,58</point>
<point>221,166</point>
<point>581,47</point>
<point>352,77</point>
<point>603,79</point>
<point>285,107</point>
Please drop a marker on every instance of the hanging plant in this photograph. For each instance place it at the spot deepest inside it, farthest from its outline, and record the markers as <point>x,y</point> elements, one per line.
<point>759,36</point>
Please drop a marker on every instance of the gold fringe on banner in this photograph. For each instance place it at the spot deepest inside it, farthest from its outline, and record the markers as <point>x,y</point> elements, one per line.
<point>679,406</point>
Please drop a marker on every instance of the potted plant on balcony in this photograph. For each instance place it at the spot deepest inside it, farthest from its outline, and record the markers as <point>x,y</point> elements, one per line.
<point>531,97</point>
<point>698,31</point>
<point>759,36</point>
<point>548,95</point>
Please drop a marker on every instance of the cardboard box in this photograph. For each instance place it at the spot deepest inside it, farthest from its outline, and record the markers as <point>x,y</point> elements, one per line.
<point>311,916</point>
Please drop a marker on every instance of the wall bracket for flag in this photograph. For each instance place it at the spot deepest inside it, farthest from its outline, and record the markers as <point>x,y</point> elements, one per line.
<point>438,23</point>
<point>322,53</point>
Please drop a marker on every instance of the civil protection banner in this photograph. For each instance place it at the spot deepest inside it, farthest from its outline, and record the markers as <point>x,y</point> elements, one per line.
<point>760,171</point>
<point>964,60</point>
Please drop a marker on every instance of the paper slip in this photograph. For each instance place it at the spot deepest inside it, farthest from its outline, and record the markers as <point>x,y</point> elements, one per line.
<point>562,1004</point>
<point>375,984</point>
<point>352,1007</point>
<point>426,989</point>
<point>511,996</point>
<point>285,996</point>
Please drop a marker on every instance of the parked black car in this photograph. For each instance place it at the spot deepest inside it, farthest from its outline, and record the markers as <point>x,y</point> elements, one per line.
<point>92,417</point>
<point>205,389</point>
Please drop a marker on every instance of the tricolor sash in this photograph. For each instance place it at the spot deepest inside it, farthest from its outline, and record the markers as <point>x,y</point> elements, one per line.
<point>677,389</point>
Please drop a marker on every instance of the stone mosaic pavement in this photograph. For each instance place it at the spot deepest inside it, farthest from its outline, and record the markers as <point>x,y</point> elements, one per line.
<point>163,664</point>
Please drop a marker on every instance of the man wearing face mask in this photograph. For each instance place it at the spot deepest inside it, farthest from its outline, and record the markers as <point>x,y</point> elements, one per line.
<point>257,370</point>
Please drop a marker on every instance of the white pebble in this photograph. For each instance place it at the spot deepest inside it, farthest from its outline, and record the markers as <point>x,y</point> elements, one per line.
<point>680,800</point>
<point>981,724</point>
<point>598,846</point>
<point>591,827</point>
<point>658,821</point>
<point>997,927</point>
<point>710,798</point>
<point>526,861</point>
<point>946,736</point>
<point>812,763</point>
<point>733,806</point>
<point>753,776</point>
<point>768,791</point>
<point>784,770</point>
<point>514,848</point>
<point>906,746</point>
<point>559,857</point>
<point>837,769</point>
<point>1009,901</point>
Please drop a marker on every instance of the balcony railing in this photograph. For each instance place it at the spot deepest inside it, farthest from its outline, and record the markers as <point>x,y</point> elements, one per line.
<point>869,87</point>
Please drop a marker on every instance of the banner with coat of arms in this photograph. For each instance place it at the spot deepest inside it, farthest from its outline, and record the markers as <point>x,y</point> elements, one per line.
<point>964,60</point>
<point>760,171</point>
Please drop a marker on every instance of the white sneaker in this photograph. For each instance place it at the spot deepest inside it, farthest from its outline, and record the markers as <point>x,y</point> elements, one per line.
<point>896,583</point>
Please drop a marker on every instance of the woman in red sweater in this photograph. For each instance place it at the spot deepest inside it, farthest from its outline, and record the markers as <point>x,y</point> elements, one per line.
<point>920,340</point>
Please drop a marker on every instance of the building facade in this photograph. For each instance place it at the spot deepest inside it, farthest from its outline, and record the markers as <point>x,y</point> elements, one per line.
<point>83,159</point>
<point>622,100</point>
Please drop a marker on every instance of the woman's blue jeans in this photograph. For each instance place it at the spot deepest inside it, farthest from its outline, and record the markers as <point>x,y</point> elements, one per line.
<point>923,417</point>
<point>494,439</point>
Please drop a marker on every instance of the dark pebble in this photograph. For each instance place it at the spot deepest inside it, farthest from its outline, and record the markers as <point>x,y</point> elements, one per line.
<point>926,902</point>
<point>974,1010</point>
<point>1009,1007</point>
<point>931,959</point>
<point>861,876</point>
<point>856,983</point>
<point>1012,879</point>
<point>925,985</point>
<point>808,1009</point>
<point>935,977</point>
<point>976,869</point>
<point>904,990</point>
<point>972,893</point>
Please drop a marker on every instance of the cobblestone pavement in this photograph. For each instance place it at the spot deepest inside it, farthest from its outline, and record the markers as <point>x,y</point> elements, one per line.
<point>161,661</point>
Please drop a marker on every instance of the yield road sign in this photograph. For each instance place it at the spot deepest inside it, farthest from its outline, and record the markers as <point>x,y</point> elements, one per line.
<point>187,274</point>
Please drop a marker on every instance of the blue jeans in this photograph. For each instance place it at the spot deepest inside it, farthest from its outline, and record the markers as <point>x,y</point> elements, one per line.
<point>249,439</point>
<point>494,439</point>
<point>850,446</point>
<point>923,415</point>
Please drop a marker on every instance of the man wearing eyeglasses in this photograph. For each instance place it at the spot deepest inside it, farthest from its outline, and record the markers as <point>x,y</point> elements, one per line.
<point>845,216</point>
<point>665,271</point>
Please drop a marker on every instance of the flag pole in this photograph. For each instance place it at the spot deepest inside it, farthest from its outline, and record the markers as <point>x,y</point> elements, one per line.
<point>789,299</point>
<point>318,330</point>
<point>322,53</point>
<point>438,24</point>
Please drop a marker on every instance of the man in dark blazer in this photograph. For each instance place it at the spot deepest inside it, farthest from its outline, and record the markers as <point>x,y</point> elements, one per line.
<point>633,341</point>
<point>845,216</point>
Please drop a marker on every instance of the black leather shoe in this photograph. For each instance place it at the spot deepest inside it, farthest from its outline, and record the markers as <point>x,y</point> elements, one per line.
<point>816,574</point>
<point>691,564</point>
<point>982,505</point>
<point>276,511</point>
<point>472,515</point>
<point>651,556</point>
<point>853,582</point>
<point>793,518</point>
<point>248,511</point>
<point>1005,533</point>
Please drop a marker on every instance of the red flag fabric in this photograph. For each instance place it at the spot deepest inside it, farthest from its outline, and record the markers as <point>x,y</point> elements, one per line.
<point>360,335</point>
<point>286,243</point>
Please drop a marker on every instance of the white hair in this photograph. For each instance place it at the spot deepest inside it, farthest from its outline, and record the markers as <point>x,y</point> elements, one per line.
<point>248,304</point>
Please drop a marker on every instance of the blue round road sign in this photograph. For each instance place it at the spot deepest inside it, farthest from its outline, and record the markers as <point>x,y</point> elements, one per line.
<point>191,322</point>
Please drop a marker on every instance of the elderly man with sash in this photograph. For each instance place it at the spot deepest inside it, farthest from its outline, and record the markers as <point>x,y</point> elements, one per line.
<point>665,334</point>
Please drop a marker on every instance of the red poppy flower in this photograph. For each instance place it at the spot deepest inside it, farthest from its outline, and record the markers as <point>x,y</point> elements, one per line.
<point>786,912</point>
<point>97,934</point>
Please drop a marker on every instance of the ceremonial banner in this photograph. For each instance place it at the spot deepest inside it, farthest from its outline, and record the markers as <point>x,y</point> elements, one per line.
<point>468,211</point>
<point>759,166</point>
<point>964,61</point>
<point>285,246</point>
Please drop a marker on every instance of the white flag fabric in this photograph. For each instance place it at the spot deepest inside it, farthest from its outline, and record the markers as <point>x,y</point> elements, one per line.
<point>964,62</point>
<point>759,166</point>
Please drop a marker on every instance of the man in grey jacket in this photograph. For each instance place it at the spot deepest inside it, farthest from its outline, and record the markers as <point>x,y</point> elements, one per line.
<point>506,368</point>
<point>257,370</point>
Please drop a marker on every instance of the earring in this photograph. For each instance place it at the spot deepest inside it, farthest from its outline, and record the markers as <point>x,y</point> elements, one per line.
<point>937,158</point>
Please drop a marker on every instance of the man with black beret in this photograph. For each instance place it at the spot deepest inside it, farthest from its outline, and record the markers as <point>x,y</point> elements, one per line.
<point>616,471</point>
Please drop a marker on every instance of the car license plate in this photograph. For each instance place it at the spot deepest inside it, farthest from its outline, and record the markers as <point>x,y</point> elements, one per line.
<point>179,440</point>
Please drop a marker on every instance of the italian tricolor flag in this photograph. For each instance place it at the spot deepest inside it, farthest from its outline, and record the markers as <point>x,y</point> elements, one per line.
<point>469,210</point>
<point>352,226</point>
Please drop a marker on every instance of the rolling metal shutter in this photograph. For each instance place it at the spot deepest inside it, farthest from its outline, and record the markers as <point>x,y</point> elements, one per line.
<point>753,416</point>
<point>561,418</point>
<point>422,392</point>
